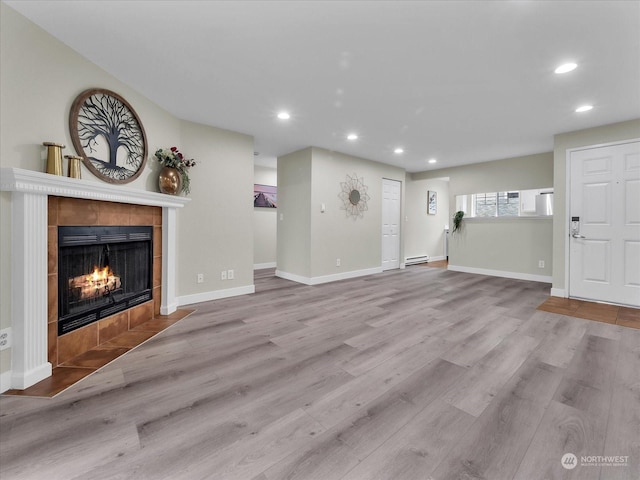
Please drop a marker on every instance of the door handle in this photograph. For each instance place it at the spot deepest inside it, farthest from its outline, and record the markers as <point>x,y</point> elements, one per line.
<point>577,235</point>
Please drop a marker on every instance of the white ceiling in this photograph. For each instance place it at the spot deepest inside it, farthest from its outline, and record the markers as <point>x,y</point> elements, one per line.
<point>460,81</point>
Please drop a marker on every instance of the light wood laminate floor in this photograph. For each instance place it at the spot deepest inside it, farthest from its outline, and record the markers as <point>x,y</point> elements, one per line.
<point>420,373</point>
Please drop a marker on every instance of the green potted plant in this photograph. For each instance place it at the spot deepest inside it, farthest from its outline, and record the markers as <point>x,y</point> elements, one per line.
<point>457,221</point>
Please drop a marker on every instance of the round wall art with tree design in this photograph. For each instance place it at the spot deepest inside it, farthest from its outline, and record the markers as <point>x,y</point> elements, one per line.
<point>108,135</point>
<point>354,196</point>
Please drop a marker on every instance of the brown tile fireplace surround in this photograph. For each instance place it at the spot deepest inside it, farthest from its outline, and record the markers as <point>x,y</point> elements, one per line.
<point>40,203</point>
<point>75,212</point>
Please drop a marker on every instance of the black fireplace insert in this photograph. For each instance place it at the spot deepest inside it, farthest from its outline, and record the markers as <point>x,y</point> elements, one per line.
<point>102,270</point>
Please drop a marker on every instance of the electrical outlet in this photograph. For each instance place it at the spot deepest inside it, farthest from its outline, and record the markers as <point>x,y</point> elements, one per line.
<point>230,274</point>
<point>540,263</point>
<point>337,262</point>
<point>5,338</point>
<point>223,275</point>
<point>200,278</point>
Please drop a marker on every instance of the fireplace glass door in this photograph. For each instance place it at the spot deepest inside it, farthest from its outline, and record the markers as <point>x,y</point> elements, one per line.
<point>102,271</point>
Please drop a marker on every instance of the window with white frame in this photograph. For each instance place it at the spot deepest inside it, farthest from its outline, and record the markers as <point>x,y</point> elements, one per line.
<point>495,204</point>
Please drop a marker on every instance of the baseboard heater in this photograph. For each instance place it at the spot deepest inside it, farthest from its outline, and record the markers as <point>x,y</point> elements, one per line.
<point>415,260</point>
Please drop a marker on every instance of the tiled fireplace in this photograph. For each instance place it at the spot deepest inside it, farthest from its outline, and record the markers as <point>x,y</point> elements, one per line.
<point>100,229</point>
<point>40,203</point>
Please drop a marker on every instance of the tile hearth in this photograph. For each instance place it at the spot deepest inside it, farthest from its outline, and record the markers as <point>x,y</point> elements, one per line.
<point>74,370</point>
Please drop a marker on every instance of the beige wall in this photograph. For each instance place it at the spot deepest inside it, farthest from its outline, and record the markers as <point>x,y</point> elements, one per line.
<point>424,233</point>
<point>519,173</point>
<point>294,219</point>
<point>310,241</point>
<point>616,132</point>
<point>216,228</point>
<point>356,242</point>
<point>505,245</point>
<point>265,222</point>
<point>39,79</point>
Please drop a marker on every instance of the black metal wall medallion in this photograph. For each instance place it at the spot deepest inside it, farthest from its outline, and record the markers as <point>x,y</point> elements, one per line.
<point>108,134</point>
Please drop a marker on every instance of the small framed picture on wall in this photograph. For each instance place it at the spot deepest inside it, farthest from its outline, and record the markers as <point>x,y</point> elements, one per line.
<point>265,196</point>
<point>432,202</point>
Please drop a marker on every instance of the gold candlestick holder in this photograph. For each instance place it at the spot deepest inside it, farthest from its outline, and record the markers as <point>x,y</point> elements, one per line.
<point>54,157</point>
<point>73,169</point>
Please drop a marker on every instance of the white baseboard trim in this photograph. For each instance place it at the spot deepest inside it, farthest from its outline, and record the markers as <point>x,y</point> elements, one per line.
<point>169,309</point>
<point>559,292</point>
<point>33,376</point>
<point>260,266</point>
<point>327,278</point>
<point>5,381</point>
<point>501,273</point>
<point>293,277</point>
<point>437,259</point>
<point>215,295</point>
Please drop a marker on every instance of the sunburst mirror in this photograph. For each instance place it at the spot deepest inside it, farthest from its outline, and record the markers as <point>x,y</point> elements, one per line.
<point>354,196</point>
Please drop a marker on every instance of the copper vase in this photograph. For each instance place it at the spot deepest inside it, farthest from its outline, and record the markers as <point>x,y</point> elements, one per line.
<point>54,157</point>
<point>170,181</point>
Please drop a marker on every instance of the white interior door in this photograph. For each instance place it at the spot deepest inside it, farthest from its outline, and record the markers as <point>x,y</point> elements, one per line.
<point>604,258</point>
<point>391,191</point>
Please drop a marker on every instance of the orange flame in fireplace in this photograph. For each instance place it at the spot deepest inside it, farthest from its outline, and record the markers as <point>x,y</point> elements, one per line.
<point>95,284</point>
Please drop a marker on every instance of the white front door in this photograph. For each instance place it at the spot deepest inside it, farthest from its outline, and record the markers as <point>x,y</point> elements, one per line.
<point>391,190</point>
<point>604,258</point>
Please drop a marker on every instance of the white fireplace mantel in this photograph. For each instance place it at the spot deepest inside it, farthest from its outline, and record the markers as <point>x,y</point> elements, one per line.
<point>29,299</point>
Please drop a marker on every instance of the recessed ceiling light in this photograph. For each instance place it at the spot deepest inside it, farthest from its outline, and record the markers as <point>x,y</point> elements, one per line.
<point>284,116</point>
<point>352,136</point>
<point>432,160</point>
<point>566,67</point>
<point>398,150</point>
<point>584,108</point>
